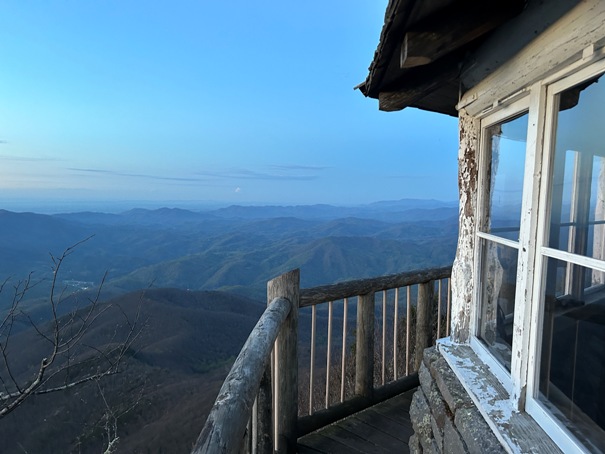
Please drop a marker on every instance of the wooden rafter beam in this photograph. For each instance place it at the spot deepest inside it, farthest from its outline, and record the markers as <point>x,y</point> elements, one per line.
<point>450,29</point>
<point>419,82</point>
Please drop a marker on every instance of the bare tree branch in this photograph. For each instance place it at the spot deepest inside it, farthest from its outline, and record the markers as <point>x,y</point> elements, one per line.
<point>112,415</point>
<point>68,357</point>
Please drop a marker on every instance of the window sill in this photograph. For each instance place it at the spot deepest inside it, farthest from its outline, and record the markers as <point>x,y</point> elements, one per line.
<point>517,431</point>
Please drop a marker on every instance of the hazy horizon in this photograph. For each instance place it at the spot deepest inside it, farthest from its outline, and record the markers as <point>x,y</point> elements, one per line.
<point>56,206</point>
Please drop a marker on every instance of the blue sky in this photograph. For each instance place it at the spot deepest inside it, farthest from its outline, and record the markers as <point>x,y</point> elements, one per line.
<point>234,102</point>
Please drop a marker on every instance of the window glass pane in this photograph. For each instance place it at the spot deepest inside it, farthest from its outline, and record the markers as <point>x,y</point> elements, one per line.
<point>578,179</point>
<point>506,143</point>
<point>572,371</point>
<point>499,264</point>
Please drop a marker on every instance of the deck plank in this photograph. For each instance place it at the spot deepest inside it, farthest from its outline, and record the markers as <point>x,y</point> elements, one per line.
<point>376,435</point>
<point>388,425</point>
<point>327,443</point>
<point>383,428</point>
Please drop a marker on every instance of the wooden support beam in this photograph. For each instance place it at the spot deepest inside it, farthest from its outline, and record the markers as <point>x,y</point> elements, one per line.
<point>226,424</point>
<point>416,83</point>
<point>287,286</point>
<point>364,348</point>
<point>452,28</point>
<point>264,428</point>
<point>423,321</point>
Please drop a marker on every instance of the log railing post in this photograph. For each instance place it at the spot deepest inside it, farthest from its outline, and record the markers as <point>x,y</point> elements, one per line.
<point>225,428</point>
<point>264,427</point>
<point>364,350</point>
<point>286,399</point>
<point>423,321</point>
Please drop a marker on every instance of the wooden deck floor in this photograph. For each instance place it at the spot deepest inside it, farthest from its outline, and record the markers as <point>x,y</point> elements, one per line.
<point>383,428</point>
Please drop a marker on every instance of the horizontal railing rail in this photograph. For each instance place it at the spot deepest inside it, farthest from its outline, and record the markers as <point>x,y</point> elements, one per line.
<point>347,289</point>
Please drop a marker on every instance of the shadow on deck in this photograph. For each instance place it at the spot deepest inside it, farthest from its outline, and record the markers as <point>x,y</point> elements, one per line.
<point>383,428</point>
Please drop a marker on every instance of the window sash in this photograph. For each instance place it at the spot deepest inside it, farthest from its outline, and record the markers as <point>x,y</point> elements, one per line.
<point>516,108</point>
<point>548,107</point>
<point>533,252</point>
<point>498,240</point>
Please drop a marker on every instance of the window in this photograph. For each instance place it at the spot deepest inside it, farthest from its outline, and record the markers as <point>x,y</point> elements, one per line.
<point>503,170</point>
<point>571,375</point>
<point>540,254</point>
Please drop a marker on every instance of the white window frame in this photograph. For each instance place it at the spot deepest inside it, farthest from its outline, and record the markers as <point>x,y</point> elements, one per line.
<point>555,429</point>
<point>522,381</point>
<point>517,107</point>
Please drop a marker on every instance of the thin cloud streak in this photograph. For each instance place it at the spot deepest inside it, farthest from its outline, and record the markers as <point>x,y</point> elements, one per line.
<point>137,175</point>
<point>427,177</point>
<point>297,167</point>
<point>287,173</point>
<point>26,158</point>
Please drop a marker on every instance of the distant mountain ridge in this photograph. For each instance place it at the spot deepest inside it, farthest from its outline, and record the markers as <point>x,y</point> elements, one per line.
<point>235,248</point>
<point>401,209</point>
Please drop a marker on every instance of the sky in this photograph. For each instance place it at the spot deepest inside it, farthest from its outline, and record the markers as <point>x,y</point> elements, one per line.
<point>176,102</point>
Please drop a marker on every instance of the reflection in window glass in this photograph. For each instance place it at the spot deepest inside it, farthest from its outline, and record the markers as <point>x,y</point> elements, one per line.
<point>572,367</point>
<point>578,185</point>
<point>499,265</point>
<point>572,372</point>
<point>506,142</point>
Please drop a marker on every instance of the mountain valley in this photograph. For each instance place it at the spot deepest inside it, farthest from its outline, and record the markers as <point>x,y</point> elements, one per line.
<point>199,279</point>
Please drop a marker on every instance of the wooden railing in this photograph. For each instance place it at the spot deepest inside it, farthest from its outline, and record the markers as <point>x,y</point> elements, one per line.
<point>419,303</point>
<point>257,409</point>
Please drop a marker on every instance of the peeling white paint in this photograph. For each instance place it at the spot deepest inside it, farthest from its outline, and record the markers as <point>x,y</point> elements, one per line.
<point>517,431</point>
<point>463,269</point>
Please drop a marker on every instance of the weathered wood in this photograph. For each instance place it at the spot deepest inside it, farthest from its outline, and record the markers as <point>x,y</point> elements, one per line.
<point>335,441</point>
<point>426,80</point>
<point>517,430</point>
<point>322,418</point>
<point>329,353</point>
<point>226,424</point>
<point>373,433</point>
<point>318,295</point>
<point>396,334</point>
<point>312,365</point>
<point>364,347</point>
<point>527,250</point>
<point>463,281</point>
<point>383,353</point>
<point>287,286</point>
<point>423,321</point>
<point>343,354</point>
<point>536,43</point>
<point>372,430</point>
<point>452,28</point>
<point>408,328</point>
<point>264,427</point>
<point>246,446</point>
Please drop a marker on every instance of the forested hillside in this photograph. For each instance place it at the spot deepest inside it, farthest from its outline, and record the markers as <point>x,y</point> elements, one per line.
<point>166,387</point>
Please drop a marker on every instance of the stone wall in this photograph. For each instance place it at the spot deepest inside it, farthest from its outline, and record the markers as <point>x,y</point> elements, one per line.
<point>444,418</point>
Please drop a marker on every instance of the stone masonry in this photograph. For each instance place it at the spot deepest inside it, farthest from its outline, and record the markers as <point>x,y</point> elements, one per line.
<point>444,417</point>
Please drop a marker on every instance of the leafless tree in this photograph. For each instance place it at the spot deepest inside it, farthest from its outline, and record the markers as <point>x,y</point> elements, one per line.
<point>68,360</point>
<point>111,416</point>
